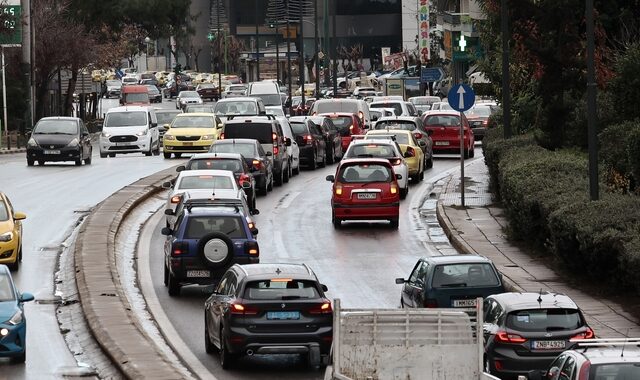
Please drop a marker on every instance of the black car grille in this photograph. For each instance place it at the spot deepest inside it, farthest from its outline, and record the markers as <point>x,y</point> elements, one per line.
<point>191,148</point>
<point>126,138</point>
<point>52,146</point>
<point>188,138</point>
<point>126,147</point>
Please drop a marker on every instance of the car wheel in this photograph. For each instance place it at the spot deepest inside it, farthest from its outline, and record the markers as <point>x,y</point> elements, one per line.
<point>20,358</point>
<point>323,163</point>
<point>166,155</point>
<point>208,346</point>
<point>314,162</point>
<point>404,192</point>
<point>337,223</point>
<point>166,275</point>
<point>112,155</point>
<point>149,152</point>
<point>296,171</point>
<point>330,156</point>
<point>78,162</point>
<point>473,152</point>
<point>394,223</point>
<point>216,250</point>
<point>264,189</point>
<point>29,162</point>
<point>41,162</point>
<point>174,285</point>
<point>178,155</point>
<point>430,162</point>
<point>280,178</point>
<point>226,358</point>
<point>270,187</point>
<point>87,161</point>
<point>156,152</point>
<point>287,174</point>
<point>15,266</point>
<point>103,155</point>
<point>466,154</point>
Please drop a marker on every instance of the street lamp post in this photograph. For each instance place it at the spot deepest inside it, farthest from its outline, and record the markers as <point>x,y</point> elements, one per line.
<point>147,41</point>
<point>592,106</point>
<point>257,45</point>
<point>506,95</point>
<point>316,45</point>
<point>301,55</point>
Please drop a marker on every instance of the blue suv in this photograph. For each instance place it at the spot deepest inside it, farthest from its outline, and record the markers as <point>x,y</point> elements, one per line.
<point>204,243</point>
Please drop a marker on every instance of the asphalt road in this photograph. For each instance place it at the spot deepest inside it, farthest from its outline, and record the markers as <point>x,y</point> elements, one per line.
<point>358,262</point>
<point>55,197</point>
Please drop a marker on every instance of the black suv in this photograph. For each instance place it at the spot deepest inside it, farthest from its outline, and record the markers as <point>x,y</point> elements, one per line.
<point>310,140</point>
<point>268,131</point>
<point>204,243</point>
<point>257,159</point>
<point>527,331</point>
<point>268,309</point>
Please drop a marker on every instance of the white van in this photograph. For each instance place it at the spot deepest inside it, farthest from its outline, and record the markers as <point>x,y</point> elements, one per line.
<point>355,106</point>
<point>130,129</point>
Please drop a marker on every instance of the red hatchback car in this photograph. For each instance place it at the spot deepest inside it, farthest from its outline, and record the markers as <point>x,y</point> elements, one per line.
<point>365,189</point>
<point>348,124</point>
<point>446,133</point>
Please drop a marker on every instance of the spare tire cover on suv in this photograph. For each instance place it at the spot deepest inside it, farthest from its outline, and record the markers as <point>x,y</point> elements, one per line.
<point>215,250</point>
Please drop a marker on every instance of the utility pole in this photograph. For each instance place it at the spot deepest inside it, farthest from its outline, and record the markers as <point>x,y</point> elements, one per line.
<point>257,45</point>
<point>592,106</point>
<point>506,95</point>
<point>219,63</point>
<point>326,42</point>
<point>334,50</point>
<point>301,54</point>
<point>26,65</point>
<point>277,22</point>
<point>317,46</point>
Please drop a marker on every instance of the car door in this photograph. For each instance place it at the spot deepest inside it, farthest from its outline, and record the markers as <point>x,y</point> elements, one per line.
<point>413,289</point>
<point>334,137</point>
<point>318,136</point>
<point>85,140</point>
<point>220,301</point>
<point>553,373</point>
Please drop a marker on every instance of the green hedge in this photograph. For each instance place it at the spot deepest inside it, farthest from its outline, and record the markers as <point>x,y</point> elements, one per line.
<point>620,153</point>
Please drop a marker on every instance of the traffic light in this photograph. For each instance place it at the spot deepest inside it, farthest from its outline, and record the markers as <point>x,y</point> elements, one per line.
<point>272,24</point>
<point>210,36</point>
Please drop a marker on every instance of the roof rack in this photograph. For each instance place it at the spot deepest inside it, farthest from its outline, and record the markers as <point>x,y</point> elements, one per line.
<point>268,116</point>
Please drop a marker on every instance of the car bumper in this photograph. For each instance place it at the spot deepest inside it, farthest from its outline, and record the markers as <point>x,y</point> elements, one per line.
<point>281,342</point>
<point>180,267</point>
<point>175,146</point>
<point>479,132</point>
<point>143,144</point>
<point>9,252</point>
<point>58,154</point>
<point>514,364</point>
<point>306,155</point>
<point>13,344</point>
<point>363,212</point>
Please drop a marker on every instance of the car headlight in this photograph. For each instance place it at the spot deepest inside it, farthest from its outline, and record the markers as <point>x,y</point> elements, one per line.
<point>7,236</point>
<point>106,135</point>
<point>73,143</point>
<point>169,137</point>
<point>32,143</point>
<point>16,319</point>
<point>143,133</point>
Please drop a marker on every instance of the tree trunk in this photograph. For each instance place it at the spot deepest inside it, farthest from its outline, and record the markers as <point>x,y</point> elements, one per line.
<point>68,103</point>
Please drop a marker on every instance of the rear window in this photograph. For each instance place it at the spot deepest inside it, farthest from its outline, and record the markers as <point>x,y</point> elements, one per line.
<point>365,173</point>
<point>217,164</point>
<point>443,120</point>
<point>281,289</point>
<point>299,128</point>
<point>372,150</point>
<point>247,150</point>
<point>342,122</point>
<point>544,320</point>
<point>397,108</point>
<point>335,106</point>
<point>464,275</point>
<point>614,371</point>
<point>205,182</point>
<point>395,124</point>
<point>258,131</point>
<point>401,138</point>
<point>200,226</point>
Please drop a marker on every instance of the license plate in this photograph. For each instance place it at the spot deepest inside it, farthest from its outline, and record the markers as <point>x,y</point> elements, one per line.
<point>367,196</point>
<point>548,344</point>
<point>51,152</point>
<point>283,315</point>
<point>464,303</point>
<point>188,144</point>
<point>442,142</point>
<point>198,273</point>
<point>123,144</point>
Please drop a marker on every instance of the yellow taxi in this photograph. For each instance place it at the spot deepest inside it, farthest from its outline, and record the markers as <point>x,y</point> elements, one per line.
<point>10,234</point>
<point>410,147</point>
<point>191,133</point>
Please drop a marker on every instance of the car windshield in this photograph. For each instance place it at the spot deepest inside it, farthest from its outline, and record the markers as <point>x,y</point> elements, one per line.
<point>236,108</point>
<point>335,106</point>
<point>193,122</point>
<point>423,101</point>
<point>396,124</point>
<point>206,85</point>
<point>205,182</point>
<point>200,226</point>
<point>554,319</point>
<point>189,94</point>
<point>198,109</point>
<point>57,127</point>
<point>4,213</point>
<point>237,88</point>
<point>114,83</point>
<point>397,108</point>
<point>608,371</point>
<point>342,122</point>
<point>401,138</point>
<point>6,289</point>
<point>442,120</point>
<point>247,150</point>
<point>443,106</point>
<point>478,112</point>
<point>166,117</point>
<point>269,99</point>
<point>136,97</point>
<point>126,119</point>
<point>464,275</point>
<point>362,173</point>
<point>372,150</point>
<point>281,289</point>
<point>216,163</point>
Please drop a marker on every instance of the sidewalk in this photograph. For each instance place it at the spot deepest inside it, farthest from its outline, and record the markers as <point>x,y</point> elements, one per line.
<point>478,229</point>
<point>4,150</point>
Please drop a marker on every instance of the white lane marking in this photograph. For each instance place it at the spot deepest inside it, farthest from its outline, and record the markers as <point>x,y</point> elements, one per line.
<point>289,199</point>
<point>172,338</point>
<point>280,248</point>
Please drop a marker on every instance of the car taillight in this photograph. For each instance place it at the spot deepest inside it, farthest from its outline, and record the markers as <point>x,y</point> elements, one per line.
<point>418,135</point>
<point>411,152</point>
<point>179,249</point>
<point>251,248</point>
<point>175,199</point>
<point>395,161</point>
<point>308,139</point>
<point>275,150</point>
<point>238,308</point>
<point>338,190</point>
<point>505,337</point>
<point>243,178</point>
<point>394,189</point>
<point>274,137</point>
<point>351,128</point>
<point>257,164</point>
<point>221,137</point>
<point>588,334</point>
<point>431,303</point>
<point>485,123</point>
<point>323,308</point>
<point>584,371</point>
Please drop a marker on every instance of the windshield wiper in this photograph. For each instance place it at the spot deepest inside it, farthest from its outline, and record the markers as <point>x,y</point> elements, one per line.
<point>291,297</point>
<point>455,284</point>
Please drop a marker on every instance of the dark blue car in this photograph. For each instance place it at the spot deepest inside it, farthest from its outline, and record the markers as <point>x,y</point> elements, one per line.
<point>205,242</point>
<point>450,281</point>
<point>13,324</point>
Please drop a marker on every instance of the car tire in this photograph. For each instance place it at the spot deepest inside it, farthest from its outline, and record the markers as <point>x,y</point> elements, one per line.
<point>394,223</point>
<point>156,152</point>
<point>270,187</point>
<point>263,190</point>
<point>174,285</point>
<point>430,162</point>
<point>78,162</point>
<point>112,155</point>
<point>226,358</point>
<point>314,162</point>
<point>472,153</point>
<point>178,155</point>
<point>296,171</point>
<point>330,155</point>
<point>87,161</point>
<point>166,275</point>
<point>20,358</point>
<point>404,192</point>
<point>103,155</point>
<point>466,154</point>
<point>287,174</point>
<point>209,347</point>
<point>29,162</point>
<point>216,250</point>
<point>41,162</point>
<point>166,155</point>
<point>337,223</point>
<point>15,266</point>
<point>323,163</point>
<point>280,178</point>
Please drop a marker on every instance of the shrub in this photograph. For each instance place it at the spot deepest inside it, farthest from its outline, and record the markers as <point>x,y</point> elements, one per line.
<point>620,153</point>
<point>494,146</point>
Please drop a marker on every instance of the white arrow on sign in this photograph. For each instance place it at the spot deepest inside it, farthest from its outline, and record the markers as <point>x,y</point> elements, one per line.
<point>461,93</point>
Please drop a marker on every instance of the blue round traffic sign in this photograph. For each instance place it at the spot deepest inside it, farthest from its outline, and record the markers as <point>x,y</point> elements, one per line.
<point>461,97</point>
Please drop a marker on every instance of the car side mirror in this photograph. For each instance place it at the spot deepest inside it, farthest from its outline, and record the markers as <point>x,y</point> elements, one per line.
<point>408,154</point>
<point>324,288</point>
<point>166,126</point>
<point>288,141</point>
<point>429,132</point>
<point>166,231</point>
<point>254,231</point>
<point>180,168</point>
<point>422,143</point>
<point>269,154</point>
<point>169,212</point>
<point>400,281</point>
<point>26,297</point>
<point>85,134</point>
<point>28,132</point>
<point>166,185</point>
<point>255,211</point>
<point>398,176</point>
<point>19,216</point>
<point>331,178</point>
<point>246,185</point>
<point>154,125</point>
<point>420,112</point>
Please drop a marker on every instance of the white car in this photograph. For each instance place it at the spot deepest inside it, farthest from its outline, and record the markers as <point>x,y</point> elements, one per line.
<point>219,183</point>
<point>401,107</point>
<point>234,90</point>
<point>383,148</point>
<point>293,149</point>
<point>130,129</point>
<point>186,98</point>
<point>205,196</point>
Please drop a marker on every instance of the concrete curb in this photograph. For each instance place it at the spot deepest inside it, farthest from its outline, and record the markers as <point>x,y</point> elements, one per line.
<point>102,298</point>
<point>12,151</point>
<point>459,243</point>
